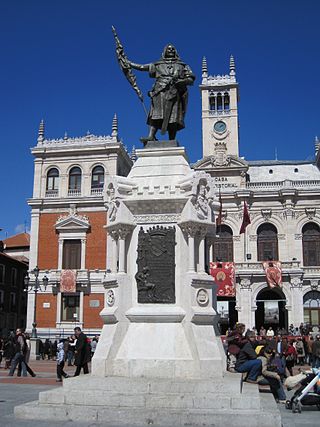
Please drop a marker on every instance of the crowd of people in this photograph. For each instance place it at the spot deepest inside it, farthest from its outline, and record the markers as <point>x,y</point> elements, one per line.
<point>75,350</point>
<point>269,358</point>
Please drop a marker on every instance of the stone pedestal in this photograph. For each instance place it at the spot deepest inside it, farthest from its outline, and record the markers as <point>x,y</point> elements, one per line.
<point>34,350</point>
<point>158,363</point>
<point>120,401</point>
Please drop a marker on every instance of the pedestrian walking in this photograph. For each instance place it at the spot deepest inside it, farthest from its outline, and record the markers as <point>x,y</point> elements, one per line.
<point>82,352</point>
<point>61,357</point>
<point>20,349</point>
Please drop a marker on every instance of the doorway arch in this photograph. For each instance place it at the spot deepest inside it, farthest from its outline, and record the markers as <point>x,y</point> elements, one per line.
<point>271,309</point>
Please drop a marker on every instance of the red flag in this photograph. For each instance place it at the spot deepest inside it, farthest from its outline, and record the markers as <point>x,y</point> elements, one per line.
<point>219,217</point>
<point>246,219</point>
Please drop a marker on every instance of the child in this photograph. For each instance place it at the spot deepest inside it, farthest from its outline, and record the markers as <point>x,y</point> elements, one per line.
<point>60,362</point>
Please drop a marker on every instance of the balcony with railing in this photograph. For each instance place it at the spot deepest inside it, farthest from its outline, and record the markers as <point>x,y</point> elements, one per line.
<point>287,183</point>
<point>52,193</point>
<point>74,193</point>
<point>96,191</point>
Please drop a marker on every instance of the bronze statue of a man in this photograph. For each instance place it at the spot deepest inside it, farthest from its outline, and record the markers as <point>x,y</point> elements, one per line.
<point>169,94</point>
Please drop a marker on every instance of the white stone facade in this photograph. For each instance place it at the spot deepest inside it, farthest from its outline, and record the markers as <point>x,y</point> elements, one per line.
<point>282,193</point>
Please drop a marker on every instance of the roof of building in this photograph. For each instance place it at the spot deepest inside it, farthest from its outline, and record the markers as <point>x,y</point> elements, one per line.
<point>278,162</point>
<point>20,262</point>
<point>17,241</point>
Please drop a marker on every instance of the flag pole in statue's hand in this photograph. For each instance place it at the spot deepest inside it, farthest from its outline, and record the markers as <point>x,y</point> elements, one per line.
<point>126,68</point>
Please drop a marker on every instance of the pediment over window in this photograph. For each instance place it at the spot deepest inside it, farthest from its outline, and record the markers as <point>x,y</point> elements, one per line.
<point>73,222</point>
<point>220,162</point>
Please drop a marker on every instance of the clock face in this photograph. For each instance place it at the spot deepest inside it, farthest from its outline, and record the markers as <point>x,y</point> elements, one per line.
<point>220,126</point>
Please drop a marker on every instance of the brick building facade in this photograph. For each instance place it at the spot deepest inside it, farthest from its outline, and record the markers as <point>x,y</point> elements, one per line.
<point>68,220</point>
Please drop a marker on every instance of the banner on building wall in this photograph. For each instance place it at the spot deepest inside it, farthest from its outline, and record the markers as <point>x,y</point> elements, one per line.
<point>224,276</point>
<point>68,281</point>
<point>271,312</point>
<point>273,273</point>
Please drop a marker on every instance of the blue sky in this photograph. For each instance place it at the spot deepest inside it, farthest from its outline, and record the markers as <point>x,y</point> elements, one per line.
<point>58,63</point>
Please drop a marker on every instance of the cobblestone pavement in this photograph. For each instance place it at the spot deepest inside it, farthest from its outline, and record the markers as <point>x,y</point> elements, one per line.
<point>17,390</point>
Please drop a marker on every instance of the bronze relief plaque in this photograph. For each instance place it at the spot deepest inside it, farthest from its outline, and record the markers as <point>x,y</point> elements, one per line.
<point>156,265</point>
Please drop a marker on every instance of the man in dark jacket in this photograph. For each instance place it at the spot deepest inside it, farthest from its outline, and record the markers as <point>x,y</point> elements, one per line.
<point>82,352</point>
<point>20,349</point>
<point>247,360</point>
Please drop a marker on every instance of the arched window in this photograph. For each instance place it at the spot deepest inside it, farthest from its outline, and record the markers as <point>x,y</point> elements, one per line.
<point>212,102</point>
<point>223,244</point>
<point>75,181</point>
<point>226,102</point>
<point>52,187</point>
<point>267,242</point>
<point>97,180</point>
<point>311,308</point>
<point>219,102</point>
<point>311,244</point>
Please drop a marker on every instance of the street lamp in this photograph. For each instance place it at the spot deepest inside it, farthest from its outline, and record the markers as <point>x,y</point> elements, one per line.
<point>35,286</point>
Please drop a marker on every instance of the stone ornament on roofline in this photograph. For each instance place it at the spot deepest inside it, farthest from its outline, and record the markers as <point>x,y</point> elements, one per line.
<point>73,213</point>
<point>220,157</point>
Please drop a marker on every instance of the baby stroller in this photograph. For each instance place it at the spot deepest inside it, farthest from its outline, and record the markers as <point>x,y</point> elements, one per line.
<point>308,392</point>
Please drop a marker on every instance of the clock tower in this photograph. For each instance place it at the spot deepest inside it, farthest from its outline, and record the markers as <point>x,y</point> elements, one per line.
<point>220,112</point>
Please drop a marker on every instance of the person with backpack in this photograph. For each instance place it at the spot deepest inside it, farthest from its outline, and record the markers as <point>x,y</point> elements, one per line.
<point>19,348</point>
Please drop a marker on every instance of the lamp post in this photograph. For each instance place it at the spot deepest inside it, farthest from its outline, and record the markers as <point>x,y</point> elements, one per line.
<point>35,287</point>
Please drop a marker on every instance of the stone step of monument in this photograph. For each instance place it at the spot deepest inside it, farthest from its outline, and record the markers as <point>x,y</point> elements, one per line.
<point>155,416</point>
<point>230,384</point>
<point>150,400</point>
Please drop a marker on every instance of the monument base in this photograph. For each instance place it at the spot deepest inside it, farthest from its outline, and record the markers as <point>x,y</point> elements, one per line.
<point>157,402</point>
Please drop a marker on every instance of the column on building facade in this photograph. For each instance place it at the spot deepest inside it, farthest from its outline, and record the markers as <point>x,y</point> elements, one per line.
<point>81,318</point>
<point>295,316</point>
<point>33,261</point>
<point>59,299</point>
<point>252,247</point>
<point>83,253</point>
<point>60,253</point>
<point>244,303</point>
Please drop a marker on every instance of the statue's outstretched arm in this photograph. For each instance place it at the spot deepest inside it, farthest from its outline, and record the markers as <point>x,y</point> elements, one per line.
<point>140,67</point>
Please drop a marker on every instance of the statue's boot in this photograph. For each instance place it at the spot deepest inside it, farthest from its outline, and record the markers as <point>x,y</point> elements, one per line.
<point>151,136</point>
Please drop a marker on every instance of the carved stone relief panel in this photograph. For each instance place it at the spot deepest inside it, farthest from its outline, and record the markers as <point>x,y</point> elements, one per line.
<point>156,265</point>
